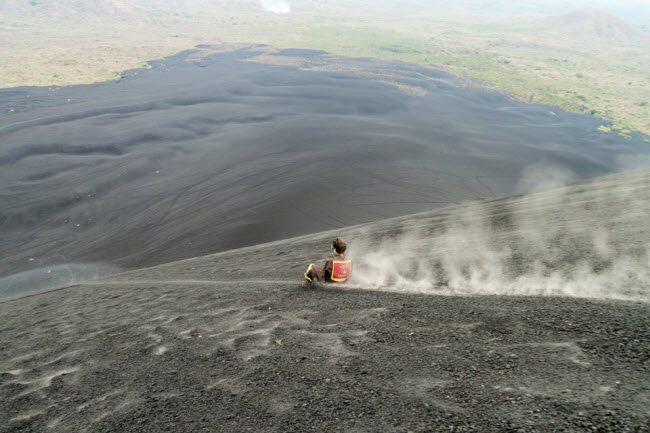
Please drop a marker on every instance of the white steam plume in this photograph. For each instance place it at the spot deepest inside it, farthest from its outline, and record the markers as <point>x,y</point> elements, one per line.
<point>276,6</point>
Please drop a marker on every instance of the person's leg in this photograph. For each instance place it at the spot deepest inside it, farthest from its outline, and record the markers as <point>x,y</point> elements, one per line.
<point>314,273</point>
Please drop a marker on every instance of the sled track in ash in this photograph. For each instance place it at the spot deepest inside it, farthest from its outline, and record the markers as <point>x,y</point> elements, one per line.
<point>158,282</point>
<point>208,282</point>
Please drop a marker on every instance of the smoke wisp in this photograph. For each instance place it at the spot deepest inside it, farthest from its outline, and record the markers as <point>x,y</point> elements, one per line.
<point>276,6</point>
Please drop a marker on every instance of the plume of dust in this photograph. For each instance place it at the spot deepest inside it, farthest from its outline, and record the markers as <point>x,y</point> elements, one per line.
<point>627,161</point>
<point>539,177</point>
<point>276,6</point>
<point>576,241</point>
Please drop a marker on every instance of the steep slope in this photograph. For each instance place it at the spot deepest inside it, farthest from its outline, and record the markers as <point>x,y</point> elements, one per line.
<point>589,239</point>
<point>233,342</point>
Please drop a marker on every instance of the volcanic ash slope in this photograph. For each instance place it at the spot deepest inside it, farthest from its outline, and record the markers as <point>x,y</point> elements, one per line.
<point>233,342</point>
<point>589,239</point>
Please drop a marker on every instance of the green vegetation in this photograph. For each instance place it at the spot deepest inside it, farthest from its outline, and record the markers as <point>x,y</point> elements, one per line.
<point>593,74</point>
<point>535,68</point>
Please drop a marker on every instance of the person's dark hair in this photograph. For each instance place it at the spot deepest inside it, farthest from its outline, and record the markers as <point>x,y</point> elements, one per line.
<point>339,245</point>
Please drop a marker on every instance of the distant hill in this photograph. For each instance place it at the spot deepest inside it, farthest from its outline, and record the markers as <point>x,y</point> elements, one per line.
<point>591,23</point>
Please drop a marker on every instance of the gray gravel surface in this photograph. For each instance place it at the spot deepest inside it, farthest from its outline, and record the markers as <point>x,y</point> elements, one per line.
<point>280,357</point>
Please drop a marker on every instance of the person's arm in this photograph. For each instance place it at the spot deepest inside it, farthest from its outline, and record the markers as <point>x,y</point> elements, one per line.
<point>327,269</point>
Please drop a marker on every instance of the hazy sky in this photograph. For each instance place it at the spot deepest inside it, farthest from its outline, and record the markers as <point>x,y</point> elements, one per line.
<point>636,11</point>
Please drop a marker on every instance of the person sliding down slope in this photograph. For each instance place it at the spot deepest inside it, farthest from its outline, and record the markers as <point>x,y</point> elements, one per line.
<point>336,270</point>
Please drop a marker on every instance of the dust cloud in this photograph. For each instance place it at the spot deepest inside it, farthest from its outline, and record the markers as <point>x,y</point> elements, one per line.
<point>628,161</point>
<point>588,241</point>
<point>539,177</point>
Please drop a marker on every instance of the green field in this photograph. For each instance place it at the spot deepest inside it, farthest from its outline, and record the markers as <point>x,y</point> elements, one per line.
<point>571,66</point>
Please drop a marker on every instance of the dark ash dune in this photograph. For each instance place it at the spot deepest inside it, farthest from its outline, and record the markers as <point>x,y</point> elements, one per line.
<point>194,157</point>
<point>231,342</point>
